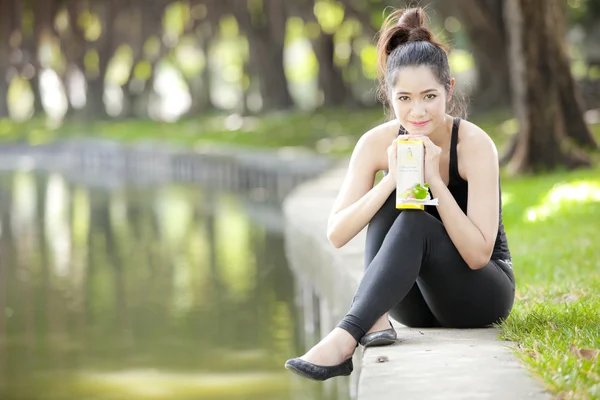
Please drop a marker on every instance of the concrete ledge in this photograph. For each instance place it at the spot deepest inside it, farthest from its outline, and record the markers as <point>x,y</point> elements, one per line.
<point>425,363</point>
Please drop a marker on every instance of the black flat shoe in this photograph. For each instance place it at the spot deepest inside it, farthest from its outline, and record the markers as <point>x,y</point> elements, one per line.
<point>379,338</point>
<point>318,372</point>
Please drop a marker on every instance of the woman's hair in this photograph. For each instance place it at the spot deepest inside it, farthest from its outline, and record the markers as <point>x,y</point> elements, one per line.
<point>405,41</point>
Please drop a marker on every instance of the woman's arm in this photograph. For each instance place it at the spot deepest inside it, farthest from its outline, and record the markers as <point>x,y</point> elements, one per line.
<point>358,200</point>
<point>473,234</point>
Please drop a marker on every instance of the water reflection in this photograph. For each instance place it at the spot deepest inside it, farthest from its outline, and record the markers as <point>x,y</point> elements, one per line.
<point>137,292</point>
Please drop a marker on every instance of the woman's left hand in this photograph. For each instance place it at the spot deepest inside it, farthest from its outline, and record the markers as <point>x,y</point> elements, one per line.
<point>432,160</point>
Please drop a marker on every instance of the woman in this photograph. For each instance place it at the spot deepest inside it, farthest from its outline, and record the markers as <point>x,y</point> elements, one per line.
<point>447,266</point>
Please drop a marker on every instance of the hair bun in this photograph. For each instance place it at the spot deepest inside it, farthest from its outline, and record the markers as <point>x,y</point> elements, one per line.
<point>398,36</point>
<point>401,35</point>
<point>420,33</point>
<point>403,26</point>
<point>411,18</point>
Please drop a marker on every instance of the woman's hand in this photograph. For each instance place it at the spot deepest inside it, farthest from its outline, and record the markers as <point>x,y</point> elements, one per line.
<point>432,160</point>
<point>392,152</point>
<point>393,157</point>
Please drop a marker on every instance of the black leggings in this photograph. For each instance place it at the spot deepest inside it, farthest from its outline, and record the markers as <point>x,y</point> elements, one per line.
<point>414,272</point>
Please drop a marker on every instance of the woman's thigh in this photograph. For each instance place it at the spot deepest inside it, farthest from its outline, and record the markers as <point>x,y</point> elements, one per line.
<point>379,227</point>
<point>413,311</point>
<point>457,295</point>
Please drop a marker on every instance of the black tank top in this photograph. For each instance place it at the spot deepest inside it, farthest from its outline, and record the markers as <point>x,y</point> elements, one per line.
<point>460,189</point>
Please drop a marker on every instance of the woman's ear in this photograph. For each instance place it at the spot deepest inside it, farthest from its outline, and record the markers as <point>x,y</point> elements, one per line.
<point>451,89</point>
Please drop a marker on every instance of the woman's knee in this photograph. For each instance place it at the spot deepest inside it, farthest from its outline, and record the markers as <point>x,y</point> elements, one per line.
<point>387,211</point>
<point>418,220</point>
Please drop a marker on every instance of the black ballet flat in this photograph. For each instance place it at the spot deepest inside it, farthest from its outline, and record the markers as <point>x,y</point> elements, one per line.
<point>318,372</point>
<point>379,338</point>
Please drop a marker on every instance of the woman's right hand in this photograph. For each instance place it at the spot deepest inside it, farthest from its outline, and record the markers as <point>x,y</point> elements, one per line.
<point>392,152</point>
<point>393,157</point>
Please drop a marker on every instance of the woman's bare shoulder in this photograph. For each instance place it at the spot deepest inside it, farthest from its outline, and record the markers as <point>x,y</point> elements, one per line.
<point>474,145</point>
<point>379,136</point>
<point>371,148</point>
<point>473,138</point>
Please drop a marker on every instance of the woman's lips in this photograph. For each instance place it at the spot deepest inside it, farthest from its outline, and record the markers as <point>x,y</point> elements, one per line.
<point>419,124</point>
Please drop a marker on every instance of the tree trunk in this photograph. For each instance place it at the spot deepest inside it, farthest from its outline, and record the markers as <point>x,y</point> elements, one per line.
<point>73,49</point>
<point>268,61</point>
<point>148,24</point>
<point>200,86</point>
<point>5,33</point>
<point>138,36</point>
<point>34,82</point>
<point>362,11</point>
<point>29,67</point>
<point>540,84</point>
<point>4,112</point>
<point>106,46</point>
<point>335,90</point>
<point>266,36</point>
<point>138,97</point>
<point>570,97</point>
<point>485,28</point>
<point>203,97</point>
<point>44,12</point>
<point>94,99</point>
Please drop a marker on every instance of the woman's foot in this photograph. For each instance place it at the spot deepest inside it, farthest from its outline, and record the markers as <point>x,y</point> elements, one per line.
<point>382,324</point>
<point>329,358</point>
<point>381,334</point>
<point>333,349</point>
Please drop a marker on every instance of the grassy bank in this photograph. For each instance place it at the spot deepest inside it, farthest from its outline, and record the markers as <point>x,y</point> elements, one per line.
<point>552,225</point>
<point>551,220</point>
<point>332,132</point>
<point>328,132</point>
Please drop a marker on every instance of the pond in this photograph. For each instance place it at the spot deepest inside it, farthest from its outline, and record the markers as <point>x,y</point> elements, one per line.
<point>144,291</point>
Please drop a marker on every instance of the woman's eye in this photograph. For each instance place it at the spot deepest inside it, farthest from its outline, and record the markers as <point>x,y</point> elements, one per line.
<point>430,96</point>
<point>403,98</point>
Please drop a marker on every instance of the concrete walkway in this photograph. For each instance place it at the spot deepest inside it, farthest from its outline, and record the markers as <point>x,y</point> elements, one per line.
<point>425,363</point>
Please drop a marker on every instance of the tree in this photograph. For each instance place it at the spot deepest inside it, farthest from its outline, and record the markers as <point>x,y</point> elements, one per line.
<point>265,27</point>
<point>544,94</point>
<point>44,12</point>
<point>204,29</point>
<point>7,8</point>
<point>335,90</point>
<point>484,24</point>
<point>105,47</point>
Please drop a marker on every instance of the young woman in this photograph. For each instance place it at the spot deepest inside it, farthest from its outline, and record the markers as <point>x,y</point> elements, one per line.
<point>447,266</point>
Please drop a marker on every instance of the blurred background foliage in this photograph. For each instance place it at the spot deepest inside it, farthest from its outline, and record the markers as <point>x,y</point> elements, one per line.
<point>276,73</point>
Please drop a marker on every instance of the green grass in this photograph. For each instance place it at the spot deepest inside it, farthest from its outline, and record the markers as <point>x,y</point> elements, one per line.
<point>554,243</point>
<point>552,222</point>
<point>331,132</point>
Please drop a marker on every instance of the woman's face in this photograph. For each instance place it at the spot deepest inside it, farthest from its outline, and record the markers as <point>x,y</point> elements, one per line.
<point>419,100</point>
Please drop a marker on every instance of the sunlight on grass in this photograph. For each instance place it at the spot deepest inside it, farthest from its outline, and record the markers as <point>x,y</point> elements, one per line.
<point>548,331</point>
<point>328,131</point>
<point>564,195</point>
<point>555,319</point>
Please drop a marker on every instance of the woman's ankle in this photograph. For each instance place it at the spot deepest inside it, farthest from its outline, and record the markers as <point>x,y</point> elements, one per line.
<point>382,324</point>
<point>346,343</point>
